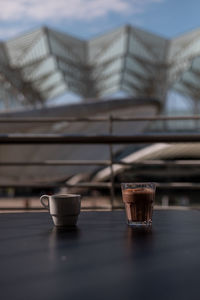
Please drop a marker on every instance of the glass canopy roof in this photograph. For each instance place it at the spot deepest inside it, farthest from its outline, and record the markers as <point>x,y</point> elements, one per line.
<point>45,63</point>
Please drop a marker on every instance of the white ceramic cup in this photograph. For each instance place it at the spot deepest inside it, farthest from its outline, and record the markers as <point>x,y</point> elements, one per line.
<point>64,208</point>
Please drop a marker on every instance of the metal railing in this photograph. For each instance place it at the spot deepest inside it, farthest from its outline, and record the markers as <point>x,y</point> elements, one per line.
<point>108,139</point>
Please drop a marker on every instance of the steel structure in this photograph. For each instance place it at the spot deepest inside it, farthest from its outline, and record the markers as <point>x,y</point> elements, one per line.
<point>45,63</point>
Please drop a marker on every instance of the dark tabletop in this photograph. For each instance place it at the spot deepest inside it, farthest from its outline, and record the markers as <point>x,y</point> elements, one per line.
<point>101,259</point>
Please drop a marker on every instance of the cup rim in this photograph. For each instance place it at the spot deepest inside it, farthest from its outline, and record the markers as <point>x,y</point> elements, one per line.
<point>65,195</point>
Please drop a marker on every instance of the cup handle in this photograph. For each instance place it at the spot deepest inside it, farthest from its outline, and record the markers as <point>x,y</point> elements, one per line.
<point>42,199</point>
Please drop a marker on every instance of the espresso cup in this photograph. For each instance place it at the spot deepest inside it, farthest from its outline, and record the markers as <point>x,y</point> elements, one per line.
<point>64,208</point>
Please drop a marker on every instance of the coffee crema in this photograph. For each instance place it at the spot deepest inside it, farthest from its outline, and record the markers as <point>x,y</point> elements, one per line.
<point>139,204</point>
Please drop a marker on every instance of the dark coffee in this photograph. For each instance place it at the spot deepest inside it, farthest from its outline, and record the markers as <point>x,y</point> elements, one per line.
<point>138,204</point>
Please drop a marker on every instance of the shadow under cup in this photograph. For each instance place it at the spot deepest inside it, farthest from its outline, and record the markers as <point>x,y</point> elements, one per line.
<point>138,199</point>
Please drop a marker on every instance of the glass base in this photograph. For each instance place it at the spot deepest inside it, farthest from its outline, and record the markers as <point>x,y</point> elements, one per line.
<point>144,224</point>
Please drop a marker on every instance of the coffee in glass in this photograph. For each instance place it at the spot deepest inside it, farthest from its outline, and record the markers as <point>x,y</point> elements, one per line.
<point>138,199</point>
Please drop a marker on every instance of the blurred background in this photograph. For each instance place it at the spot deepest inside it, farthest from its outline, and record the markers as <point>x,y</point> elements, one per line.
<point>65,62</point>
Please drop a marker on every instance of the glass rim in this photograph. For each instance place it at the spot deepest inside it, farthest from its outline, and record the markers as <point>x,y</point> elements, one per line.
<point>142,183</point>
<point>129,185</point>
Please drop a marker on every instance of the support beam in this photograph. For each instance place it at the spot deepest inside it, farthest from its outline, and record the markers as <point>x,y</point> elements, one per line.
<point>101,139</point>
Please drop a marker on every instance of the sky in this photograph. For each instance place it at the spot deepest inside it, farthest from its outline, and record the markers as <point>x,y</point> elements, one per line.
<point>87,18</point>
